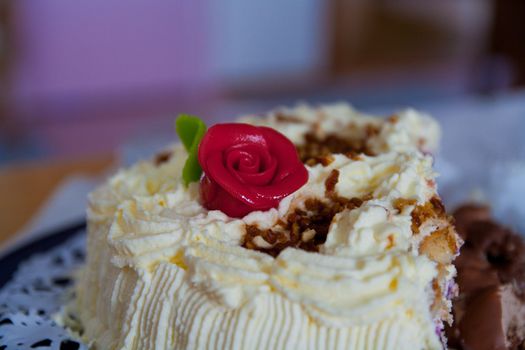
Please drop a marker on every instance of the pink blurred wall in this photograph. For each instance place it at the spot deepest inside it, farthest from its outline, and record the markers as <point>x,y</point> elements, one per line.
<point>73,56</point>
<point>90,75</point>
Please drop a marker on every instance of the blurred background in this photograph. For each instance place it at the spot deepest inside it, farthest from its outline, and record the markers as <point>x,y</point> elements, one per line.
<point>86,86</point>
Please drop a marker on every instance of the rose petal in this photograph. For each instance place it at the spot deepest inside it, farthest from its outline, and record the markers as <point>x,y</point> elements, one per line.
<point>237,159</point>
<point>258,197</point>
<point>284,152</point>
<point>247,158</point>
<point>208,190</point>
<point>249,163</point>
<point>256,150</point>
<point>215,198</point>
<point>249,167</point>
<point>230,183</point>
<point>221,137</point>
<point>259,179</point>
<point>280,189</point>
<point>260,172</point>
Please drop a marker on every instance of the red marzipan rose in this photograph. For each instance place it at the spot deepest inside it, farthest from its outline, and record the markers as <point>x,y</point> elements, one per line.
<point>247,168</point>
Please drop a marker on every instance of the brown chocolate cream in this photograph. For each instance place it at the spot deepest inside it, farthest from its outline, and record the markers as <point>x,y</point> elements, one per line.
<point>489,312</point>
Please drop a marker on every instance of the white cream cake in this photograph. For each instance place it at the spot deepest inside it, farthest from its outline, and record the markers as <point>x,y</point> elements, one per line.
<point>360,257</point>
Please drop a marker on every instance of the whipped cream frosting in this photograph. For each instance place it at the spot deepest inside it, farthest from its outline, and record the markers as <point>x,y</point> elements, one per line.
<point>162,272</point>
<point>407,130</point>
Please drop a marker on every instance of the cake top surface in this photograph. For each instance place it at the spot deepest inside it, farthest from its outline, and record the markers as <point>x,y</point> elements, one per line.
<point>338,128</point>
<point>351,245</point>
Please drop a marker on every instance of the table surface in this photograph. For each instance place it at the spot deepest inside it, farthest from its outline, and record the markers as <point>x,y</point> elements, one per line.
<point>25,187</point>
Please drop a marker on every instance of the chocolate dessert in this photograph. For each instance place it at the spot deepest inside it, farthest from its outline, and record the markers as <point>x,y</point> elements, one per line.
<point>490,310</point>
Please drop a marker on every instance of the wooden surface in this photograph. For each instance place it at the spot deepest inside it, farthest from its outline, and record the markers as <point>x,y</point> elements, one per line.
<point>25,187</point>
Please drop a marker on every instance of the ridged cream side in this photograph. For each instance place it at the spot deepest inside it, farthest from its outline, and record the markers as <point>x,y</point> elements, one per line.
<point>162,311</point>
<point>164,273</point>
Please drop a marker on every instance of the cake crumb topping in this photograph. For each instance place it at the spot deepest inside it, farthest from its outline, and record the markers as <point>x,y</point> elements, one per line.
<point>305,228</point>
<point>317,150</point>
<point>162,157</point>
<point>393,119</point>
<point>434,208</point>
<point>401,203</point>
<point>442,244</point>
<point>330,182</point>
<point>287,118</point>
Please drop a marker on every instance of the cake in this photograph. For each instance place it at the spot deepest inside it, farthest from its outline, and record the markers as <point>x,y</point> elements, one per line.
<point>491,279</point>
<point>356,252</point>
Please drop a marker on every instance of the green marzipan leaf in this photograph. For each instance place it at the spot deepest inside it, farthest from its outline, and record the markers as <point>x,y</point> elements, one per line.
<point>190,130</point>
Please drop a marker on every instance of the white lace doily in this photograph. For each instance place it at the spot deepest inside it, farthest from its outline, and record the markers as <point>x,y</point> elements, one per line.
<point>38,290</point>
